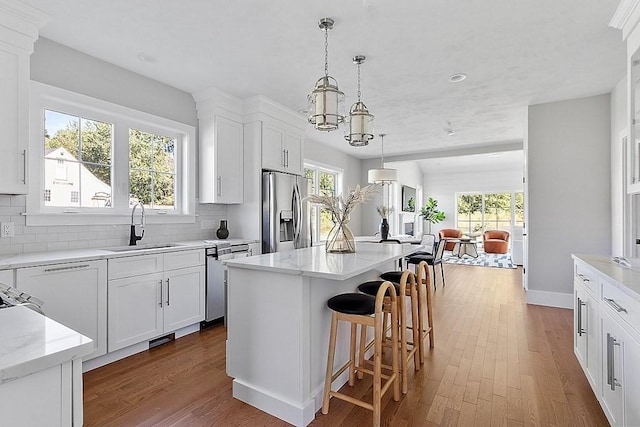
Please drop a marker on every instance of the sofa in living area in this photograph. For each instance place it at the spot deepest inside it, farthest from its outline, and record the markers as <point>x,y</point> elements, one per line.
<point>495,241</point>
<point>449,233</point>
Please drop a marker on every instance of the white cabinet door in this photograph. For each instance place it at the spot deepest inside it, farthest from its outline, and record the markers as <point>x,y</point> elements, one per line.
<point>183,297</point>
<point>14,110</point>
<point>135,310</point>
<point>293,154</point>
<point>579,335</point>
<point>74,294</point>
<point>221,161</point>
<point>591,325</point>
<point>613,367</point>
<point>631,381</point>
<point>272,148</point>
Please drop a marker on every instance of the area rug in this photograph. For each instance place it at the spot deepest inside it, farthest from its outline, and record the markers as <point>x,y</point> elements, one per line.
<point>483,260</point>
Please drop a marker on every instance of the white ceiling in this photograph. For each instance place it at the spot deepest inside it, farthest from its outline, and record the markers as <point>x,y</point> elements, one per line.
<point>516,53</point>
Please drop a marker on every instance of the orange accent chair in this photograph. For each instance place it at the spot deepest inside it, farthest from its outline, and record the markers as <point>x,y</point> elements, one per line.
<point>496,241</point>
<point>450,233</point>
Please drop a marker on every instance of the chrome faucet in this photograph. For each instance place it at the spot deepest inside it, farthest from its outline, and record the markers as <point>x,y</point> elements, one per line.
<point>133,238</point>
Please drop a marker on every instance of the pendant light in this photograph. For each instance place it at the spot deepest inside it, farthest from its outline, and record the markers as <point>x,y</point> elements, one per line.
<point>360,131</point>
<point>326,101</point>
<point>383,175</point>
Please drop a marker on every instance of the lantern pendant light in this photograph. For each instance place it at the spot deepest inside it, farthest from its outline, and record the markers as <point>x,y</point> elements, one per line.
<point>326,101</point>
<point>360,131</point>
<point>382,176</point>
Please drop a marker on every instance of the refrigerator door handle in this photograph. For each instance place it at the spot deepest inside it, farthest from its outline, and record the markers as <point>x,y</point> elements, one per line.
<point>297,211</point>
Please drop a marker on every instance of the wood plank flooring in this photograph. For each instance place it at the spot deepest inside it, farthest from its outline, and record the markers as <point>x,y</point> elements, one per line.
<point>497,361</point>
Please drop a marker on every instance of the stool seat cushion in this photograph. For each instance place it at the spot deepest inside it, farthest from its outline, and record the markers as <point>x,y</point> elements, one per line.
<point>353,303</point>
<point>392,276</point>
<point>371,288</point>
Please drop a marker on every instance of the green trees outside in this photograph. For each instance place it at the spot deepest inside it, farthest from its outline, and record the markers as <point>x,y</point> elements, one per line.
<point>326,185</point>
<point>470,208</point>
<point>152,171</point>
<point>497,209</point>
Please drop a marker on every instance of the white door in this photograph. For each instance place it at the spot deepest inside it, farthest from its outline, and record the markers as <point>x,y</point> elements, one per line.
<point>183,297</point>
<point>612,351</point>
<point>631,382</point>
<point>135,310</point>
<point>74,294</point>
<point>272,143</point>
<point>293,154</point>
<point>579,317</point>
<point>591,324</point>
<point>229,155</point>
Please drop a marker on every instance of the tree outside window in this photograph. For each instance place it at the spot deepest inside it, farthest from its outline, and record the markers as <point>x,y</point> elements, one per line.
<point>324,181</point>
<point>152,170</point>
<point>492,211</point>
<point>469,212</point>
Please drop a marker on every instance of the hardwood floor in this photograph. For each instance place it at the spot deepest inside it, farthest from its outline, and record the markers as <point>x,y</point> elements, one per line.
<point>496,361</point>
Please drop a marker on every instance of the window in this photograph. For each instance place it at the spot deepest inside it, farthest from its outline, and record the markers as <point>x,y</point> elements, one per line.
<point>489,211</point>
<point>101,158</point>
<point>323,181</point>
<point>77,158</point>
<point>152,170</point>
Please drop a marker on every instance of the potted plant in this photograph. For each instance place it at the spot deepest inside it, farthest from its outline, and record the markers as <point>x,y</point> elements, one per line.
<point>384,212</point>
<point>431,214</point>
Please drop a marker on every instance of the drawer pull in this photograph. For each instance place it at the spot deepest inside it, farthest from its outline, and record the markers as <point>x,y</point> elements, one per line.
<point>70,267</point>
<point>583,278</point>
<point>616,306</point>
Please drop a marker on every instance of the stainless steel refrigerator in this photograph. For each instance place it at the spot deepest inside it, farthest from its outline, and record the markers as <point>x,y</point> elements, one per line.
<point>285,214</point>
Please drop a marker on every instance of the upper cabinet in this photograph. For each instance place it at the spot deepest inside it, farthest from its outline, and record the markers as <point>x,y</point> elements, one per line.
<point>221,145</point>
<point>20,24</point>
<point>281,149</point>
<point>633,142</point>
<point>221,158</point>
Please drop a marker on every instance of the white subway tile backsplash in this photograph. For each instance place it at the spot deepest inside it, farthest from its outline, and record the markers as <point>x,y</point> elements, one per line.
<point>53,238</point>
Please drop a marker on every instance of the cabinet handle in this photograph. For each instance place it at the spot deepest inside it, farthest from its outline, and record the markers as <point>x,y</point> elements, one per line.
<point>616,306</point>
<point>70,267</point>
<point>24,166</point>
<point>287,157</point>
<point>583,278</point>
<point>168,297</point>
<point>580,305</point>
<point>611,368</point>
<point>161,297</point>
<point>219,185</point>
<point>284,161</point>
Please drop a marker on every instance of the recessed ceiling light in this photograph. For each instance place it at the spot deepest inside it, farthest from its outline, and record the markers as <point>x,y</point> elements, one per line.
<point>146,58</point>
<point>457,77</point>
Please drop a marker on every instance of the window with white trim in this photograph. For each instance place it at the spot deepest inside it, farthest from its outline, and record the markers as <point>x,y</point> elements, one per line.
<point>96,159</point>
<point>324,180</point>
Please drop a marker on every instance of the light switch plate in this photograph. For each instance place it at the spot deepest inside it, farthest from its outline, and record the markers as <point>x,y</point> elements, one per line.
<point>7,229</point>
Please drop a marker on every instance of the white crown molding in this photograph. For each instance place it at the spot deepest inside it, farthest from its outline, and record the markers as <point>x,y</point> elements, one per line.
<point>20,23</point>
<point>626,17</point>
<point>215,101</point>
<point>259,105</point>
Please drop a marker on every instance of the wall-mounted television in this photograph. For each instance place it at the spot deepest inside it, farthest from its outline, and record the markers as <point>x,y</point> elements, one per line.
<point>408,199</point>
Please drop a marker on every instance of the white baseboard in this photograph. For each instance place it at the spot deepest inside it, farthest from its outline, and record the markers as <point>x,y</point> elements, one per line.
<point>550,299</point>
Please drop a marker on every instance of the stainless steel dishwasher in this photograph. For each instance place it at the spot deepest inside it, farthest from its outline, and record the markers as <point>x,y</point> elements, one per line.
<point>216,305</point>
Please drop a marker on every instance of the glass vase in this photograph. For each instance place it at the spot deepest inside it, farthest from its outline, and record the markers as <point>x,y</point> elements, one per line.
<point>340,238</point>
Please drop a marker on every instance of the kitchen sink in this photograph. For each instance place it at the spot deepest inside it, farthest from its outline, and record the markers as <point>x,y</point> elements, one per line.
<point>142,247</point>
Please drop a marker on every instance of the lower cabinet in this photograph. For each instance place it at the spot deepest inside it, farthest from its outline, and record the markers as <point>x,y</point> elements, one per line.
<point>74,294</point>
<point>607,343</point>
<point>146,306</point>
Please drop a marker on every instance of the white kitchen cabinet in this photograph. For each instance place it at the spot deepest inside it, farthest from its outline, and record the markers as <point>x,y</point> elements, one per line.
<point>20,24</point>
<point>587,333</point>
<point>607,338</point>
<point>221,160</point>
<point>281,149</point>
<point>74,294</point>
<point>153,301</point>
<point>135,309</point>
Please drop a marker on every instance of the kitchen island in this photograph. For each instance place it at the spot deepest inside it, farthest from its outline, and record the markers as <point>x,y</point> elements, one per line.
<point>278,322</point>
<point>40,370</point>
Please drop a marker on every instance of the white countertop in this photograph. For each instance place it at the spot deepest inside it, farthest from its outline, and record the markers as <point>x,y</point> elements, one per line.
<point>316,262</point>
<point>623,277</point>
<point>404,238</point>
<point>31,342</point>
<point>89,254</point>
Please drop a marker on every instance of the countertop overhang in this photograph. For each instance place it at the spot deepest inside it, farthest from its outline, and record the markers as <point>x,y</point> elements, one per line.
<point>316,262</point>
<point>625,278</point>
<point>31,342</point>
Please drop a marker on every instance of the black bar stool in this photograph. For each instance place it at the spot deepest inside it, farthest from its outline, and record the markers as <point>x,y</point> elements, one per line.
<point>366,311</point>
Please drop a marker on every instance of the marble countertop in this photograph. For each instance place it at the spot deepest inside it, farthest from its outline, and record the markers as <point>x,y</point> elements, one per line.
<point>316,262</point>
<point>89,254</point>
<point>31,342</point>
<point>623,277</point>
<point>404,238</point>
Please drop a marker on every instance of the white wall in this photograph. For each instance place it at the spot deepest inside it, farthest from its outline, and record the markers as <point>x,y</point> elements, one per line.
<point>619,129</point>
<point>61,66</point>
<point>569,192</point>
<point>329,156</point>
